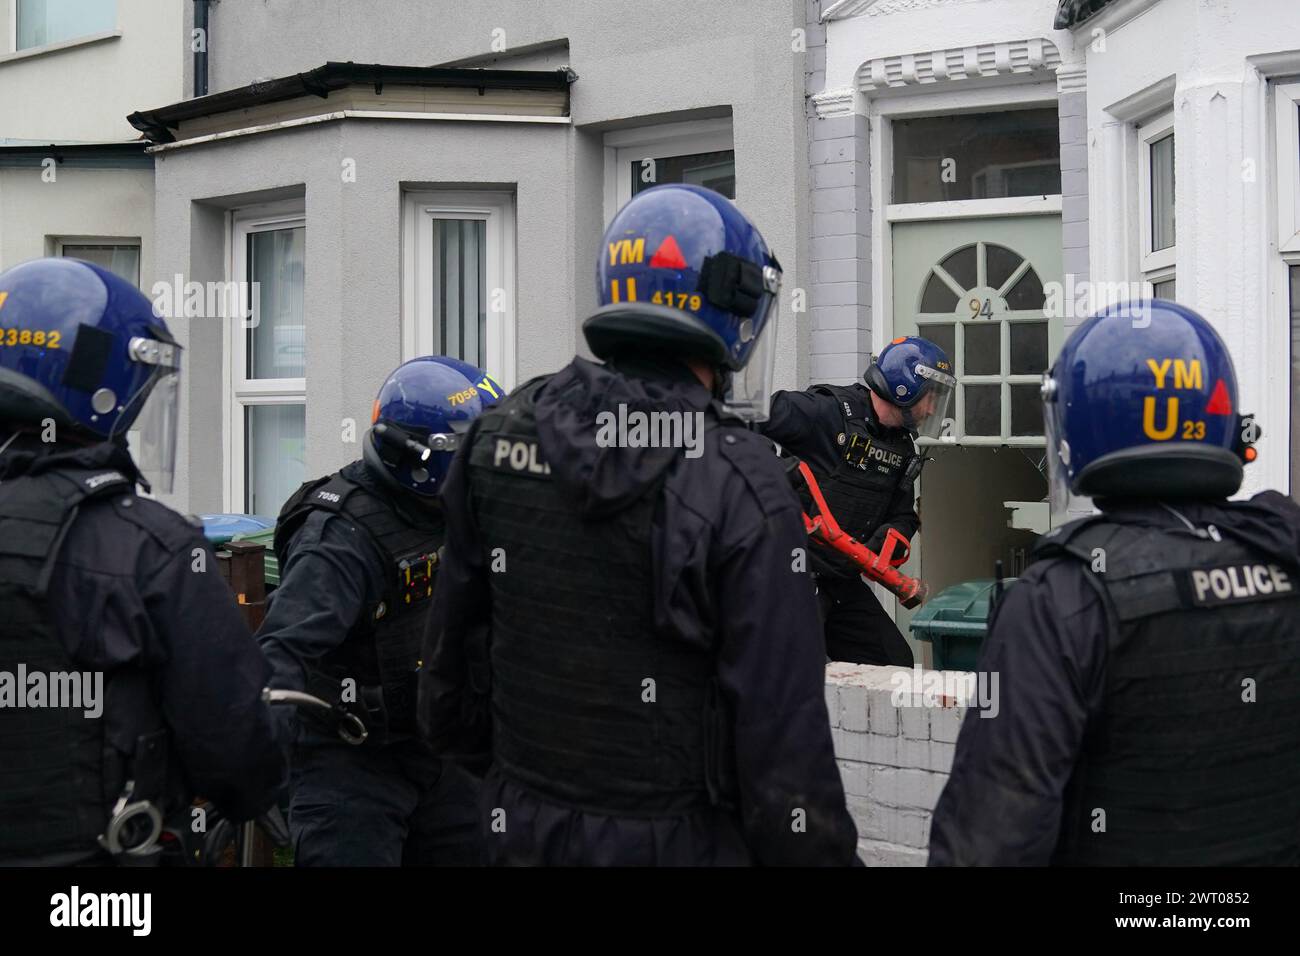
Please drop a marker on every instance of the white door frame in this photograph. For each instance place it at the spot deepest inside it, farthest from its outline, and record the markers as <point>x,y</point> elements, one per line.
<point>881,113</point>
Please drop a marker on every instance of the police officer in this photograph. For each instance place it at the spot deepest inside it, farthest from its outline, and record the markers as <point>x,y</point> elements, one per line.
<point>110,597</point>
<point>653,667</point>
<point>358,551</point>
<point>1149,658</point>
<point>858,442</point>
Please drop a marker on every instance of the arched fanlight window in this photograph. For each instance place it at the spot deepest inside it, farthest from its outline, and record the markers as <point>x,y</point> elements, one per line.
<point>984,305</point>
<point>982,280</point>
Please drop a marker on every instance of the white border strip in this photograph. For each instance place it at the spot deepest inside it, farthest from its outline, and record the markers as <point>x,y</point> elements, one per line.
<point>359,114</point>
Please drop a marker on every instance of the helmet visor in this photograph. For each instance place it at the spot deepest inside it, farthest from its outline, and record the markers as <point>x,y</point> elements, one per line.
<point>1058,449</point>
<point>750,395</point>
<point>155,432</point>
<point>928,414</point>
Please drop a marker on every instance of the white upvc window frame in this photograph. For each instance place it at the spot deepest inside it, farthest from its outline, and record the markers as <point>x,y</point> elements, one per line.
<point>662,141</point>
<point>239,391</point>
<point>62,242</point>
<point>1153,279</point>
<point>495,208</point>
<point>60,44</point>
<point>1148,134</point>
<point>1286,98</point>
<point>1288,261</point>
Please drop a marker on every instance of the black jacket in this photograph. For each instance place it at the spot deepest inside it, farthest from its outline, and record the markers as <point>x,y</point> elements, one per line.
<point>1047,642</point>
<point>806,424</point>
<point>723,539</point>
<point>137,584</point>
<point>331,573</point>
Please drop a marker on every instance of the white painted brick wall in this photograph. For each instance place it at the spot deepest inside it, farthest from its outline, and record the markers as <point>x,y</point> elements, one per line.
<point>894,761</point>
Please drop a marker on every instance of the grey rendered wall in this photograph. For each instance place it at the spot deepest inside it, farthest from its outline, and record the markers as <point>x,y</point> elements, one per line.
<point>353,259</point>
<point>634,59</point>
<point>634,64</point>
<point>81,201</point>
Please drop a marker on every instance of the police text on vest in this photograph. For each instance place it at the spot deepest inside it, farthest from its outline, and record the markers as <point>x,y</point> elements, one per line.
<point>1239,582</point>
<point>519,456</point>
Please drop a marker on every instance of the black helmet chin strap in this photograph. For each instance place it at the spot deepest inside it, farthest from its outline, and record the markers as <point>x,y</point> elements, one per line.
<point>721,382</point>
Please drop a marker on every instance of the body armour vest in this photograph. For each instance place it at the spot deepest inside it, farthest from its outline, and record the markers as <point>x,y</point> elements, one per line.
<point>382,651</point>
<point>868,474</point>
<point>1195,758</point>
<point>591,706</point>
<point>58,773</point>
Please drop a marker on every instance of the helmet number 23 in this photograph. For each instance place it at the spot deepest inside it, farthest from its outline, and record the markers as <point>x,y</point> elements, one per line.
<point>1194,430</point>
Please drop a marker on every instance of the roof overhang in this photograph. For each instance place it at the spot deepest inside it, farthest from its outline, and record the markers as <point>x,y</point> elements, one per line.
<point>128,155</point>
<point>341,90</point>
<point>1071,13</point>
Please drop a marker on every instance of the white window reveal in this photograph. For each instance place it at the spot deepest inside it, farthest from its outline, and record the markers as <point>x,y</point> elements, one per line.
<point>119,256</point>
<point>266,417</point>
<point>696,151</point>
<point>40,23</point>
<point>1157,205</point>
<point>1287,138</point>
<point>1293,272</point>
<point>1287,104</point>
<point>459,289</point>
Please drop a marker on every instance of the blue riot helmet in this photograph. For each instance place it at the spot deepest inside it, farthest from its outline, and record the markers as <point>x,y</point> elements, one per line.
<point>419,416</point>
<point>682,270</point>
<point>489,390</point>
<point>82,348</point>
<point>915,375</point>
<point>1142,403</point>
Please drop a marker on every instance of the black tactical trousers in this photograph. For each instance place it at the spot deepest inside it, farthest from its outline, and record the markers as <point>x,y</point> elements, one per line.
<point>857,628</point>
<point>391,806</point>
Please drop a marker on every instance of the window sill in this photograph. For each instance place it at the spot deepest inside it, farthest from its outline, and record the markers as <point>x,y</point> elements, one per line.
<point>59,47</point>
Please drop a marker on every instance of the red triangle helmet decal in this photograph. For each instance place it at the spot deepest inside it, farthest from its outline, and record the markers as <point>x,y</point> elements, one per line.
<point>668,255</point>
<point>1219,403</point>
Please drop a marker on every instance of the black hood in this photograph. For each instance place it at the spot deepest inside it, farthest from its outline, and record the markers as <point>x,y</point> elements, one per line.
<point>1268,522</point>
<point>607,480</point>
<point>28,455</point>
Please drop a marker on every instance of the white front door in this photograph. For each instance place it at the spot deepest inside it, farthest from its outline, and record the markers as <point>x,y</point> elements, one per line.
<point>975,287</point>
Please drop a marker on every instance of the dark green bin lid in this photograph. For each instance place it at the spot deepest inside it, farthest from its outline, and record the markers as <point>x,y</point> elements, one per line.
<point>962,609</point>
